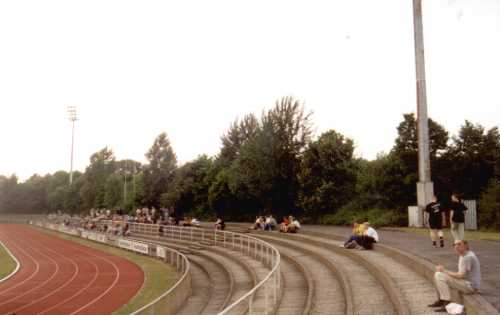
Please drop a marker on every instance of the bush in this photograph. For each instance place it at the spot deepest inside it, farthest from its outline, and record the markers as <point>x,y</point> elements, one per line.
<point>377,217</point>
<point>489,207</point>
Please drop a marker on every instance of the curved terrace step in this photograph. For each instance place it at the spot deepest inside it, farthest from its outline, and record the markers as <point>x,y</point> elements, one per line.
<point>369,295</point>
<point>309,284</point>
<point>415,290</point>
<point>244,271</point>
<point>297,288</point>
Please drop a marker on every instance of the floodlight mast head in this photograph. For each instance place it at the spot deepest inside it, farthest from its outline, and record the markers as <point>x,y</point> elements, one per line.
<point>72,117</point>
<point>72,113</point>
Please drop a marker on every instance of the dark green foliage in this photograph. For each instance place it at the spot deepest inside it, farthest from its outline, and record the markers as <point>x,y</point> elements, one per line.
<point>265,171</point>
<point>489,206</point>
<point>473,158</point>
<point>188,193</point>
<point>273,165</point>
<point>160,171</point>
<point>327,175</point>
<point>93,190</point>
<point>376,217</point>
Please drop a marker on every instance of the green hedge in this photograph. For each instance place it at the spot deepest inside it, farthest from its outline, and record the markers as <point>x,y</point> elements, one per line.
<point>489,207</point>
<point>377,217</point>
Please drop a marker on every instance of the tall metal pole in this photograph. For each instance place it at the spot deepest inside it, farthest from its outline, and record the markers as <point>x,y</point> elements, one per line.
<point>72,118</point>
<point>125,186</point>
<point>425,188</point>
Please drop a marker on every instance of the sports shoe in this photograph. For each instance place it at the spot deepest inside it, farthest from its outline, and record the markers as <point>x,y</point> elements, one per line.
<point>439,303</point>
<point>442,309</point>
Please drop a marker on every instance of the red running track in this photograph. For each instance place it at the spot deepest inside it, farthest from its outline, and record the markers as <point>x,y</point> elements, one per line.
<point>58,276</point>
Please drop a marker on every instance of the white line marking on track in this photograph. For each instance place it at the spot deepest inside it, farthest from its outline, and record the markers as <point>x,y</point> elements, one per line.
<point>18,264</point>
<point>27,279</point>
<point>38,286</point>
<point>59,288</point>
<point>77,293</point>
<point>105,292</point>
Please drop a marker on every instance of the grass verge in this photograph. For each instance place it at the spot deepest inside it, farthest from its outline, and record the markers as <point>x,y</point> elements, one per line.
<point>158,276</point>
<point>470,235</point>
<point>7,264</point>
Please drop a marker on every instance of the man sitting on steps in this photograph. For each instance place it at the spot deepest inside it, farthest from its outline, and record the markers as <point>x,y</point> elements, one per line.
<point>466,280</point>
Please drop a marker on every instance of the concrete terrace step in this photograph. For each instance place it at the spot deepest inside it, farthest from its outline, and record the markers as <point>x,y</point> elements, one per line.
<point>414,251</point>
<point>221,281</point>
<point>297,288</point>
<point>324,296</point>
<point>244,271</point>
<point>368,295</point>
<point>416,290</point>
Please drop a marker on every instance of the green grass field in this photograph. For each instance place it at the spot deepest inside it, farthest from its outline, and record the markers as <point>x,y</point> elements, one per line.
<point>7,264</point>
<point>159,276</point>
<point>470,235</point>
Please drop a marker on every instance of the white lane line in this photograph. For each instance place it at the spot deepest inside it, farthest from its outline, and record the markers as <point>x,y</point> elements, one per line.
<point>77,292</point>
<point>75,273</point>
<point>105,292</point>
<point>27,279</point>
<point>38,286</point>
<point>18,264</point>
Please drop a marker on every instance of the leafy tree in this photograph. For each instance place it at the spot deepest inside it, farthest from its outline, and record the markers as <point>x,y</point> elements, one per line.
<point>489,206</point>
<point>473,157</point>
<point>404,172</point>
<point>328,175</point>
<point>160,171</point>
<point>188,193</point>
<point>8,194</point>
<point>239,133</point>
<point>268,163</point>
<point>93,189</point>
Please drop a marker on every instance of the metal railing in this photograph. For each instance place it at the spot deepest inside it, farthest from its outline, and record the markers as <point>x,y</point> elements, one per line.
<point>171,300</point>
<point>262,298</point>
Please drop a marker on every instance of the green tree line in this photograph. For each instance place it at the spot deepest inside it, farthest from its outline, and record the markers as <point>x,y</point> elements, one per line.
<point>272,163</point>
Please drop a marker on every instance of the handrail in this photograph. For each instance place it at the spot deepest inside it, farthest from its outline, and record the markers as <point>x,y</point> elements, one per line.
<point>194,233</point>
<point>184,277</point>
<point>162,303</point>
<point>262,250</point>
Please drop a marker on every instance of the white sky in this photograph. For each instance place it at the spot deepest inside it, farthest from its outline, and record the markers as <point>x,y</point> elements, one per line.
<point>189,68</point>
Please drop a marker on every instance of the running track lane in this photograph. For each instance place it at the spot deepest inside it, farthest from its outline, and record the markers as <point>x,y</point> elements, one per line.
<point>58,276</point>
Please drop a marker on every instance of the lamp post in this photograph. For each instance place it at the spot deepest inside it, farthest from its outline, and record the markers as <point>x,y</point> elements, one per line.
<point>425,188</point>
<point>72,118</point>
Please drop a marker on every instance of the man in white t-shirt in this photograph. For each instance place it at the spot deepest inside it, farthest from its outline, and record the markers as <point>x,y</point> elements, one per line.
<point>371,232</point>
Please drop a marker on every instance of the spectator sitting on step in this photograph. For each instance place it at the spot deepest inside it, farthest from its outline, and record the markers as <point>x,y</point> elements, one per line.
<point>270,223</point>
<point>357,231</point>
<point>466,280</point>
<point>284,225</point>
<point>195,222</point>
<point>294,225</point>
<point>370,236</point>
<point>219,224</point>
<point>259,223</point>
<point>187,221</point>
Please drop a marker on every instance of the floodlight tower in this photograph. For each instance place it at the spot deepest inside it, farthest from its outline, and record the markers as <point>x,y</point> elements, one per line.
<point>72,117</point>
<point>425,188</point>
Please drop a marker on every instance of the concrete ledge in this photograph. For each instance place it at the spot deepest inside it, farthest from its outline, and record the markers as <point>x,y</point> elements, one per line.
<point>310,285</point>
<point>339,273</point>
<point>399,302</point>
<point>475,303</point>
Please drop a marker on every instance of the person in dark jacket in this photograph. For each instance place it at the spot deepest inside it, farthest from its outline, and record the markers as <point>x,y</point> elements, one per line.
<point>457,218</point>
<point>436,217</point>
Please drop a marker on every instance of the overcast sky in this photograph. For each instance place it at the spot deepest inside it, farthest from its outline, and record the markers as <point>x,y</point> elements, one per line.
<point>134,69</point>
